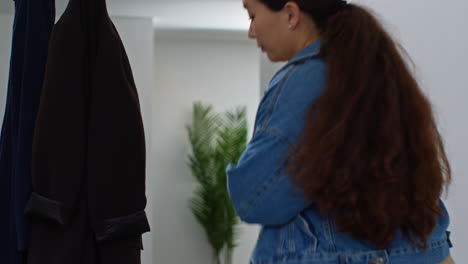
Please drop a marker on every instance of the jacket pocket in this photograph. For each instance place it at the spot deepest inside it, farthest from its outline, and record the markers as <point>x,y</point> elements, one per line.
<point>306,241</point>
<point>297,239</point>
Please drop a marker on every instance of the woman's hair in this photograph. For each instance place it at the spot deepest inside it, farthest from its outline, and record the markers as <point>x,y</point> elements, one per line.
<point>370,155</point>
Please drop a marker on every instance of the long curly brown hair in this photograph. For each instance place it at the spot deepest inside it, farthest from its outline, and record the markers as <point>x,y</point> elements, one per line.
<point>370,155</point>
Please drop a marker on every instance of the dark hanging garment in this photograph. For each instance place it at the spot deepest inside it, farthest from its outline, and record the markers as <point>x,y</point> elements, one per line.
<point>88,198</point>
<point>32,27</point>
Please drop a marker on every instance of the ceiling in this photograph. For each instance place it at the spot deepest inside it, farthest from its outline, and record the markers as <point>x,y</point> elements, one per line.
<point>207,14</point>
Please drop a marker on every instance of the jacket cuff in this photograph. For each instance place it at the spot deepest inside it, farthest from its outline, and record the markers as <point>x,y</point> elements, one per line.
<point>43,207</point>
<point>123,226</point>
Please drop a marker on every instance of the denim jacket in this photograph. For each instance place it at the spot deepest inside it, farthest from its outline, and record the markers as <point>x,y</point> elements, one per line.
<point>294,231</point>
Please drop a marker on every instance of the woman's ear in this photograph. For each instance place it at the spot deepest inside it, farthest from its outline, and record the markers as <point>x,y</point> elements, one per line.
<point>293,13</point>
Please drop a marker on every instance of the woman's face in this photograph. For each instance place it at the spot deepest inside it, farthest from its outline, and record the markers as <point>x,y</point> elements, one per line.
<point>269,28</point>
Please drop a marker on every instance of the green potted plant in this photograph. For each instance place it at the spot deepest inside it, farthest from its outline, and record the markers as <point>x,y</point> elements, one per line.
<point>216,140</point>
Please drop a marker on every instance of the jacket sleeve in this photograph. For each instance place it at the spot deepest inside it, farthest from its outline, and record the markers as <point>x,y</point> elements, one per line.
<point>259,187</point>
<point>260,190</point>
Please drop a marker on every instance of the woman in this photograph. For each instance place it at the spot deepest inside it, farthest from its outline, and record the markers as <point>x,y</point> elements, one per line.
<point>346,164</point>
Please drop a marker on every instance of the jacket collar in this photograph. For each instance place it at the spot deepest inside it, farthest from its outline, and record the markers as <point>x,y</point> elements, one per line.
<point>310,50</point>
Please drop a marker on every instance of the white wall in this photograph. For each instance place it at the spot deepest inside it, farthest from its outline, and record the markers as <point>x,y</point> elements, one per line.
<point>172,70</point>
<point>6,26</point>
<point>137,36</point>
<point>215,68</point>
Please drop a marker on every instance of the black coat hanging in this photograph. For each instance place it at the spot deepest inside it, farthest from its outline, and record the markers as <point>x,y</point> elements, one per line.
<point>88,165</point>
